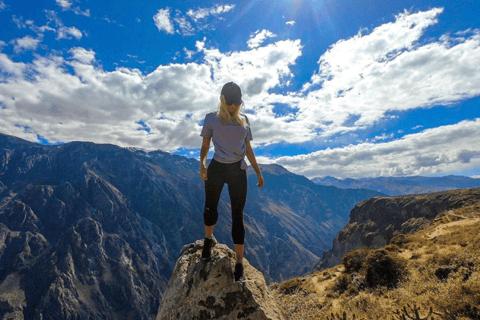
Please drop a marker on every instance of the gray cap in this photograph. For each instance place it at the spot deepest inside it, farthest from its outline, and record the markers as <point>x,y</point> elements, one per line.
<point>232,93</point>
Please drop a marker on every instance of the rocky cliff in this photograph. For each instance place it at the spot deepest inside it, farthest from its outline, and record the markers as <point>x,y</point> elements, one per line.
<point>201,289</point>
<point>93,231</point>
<point>374,222</point>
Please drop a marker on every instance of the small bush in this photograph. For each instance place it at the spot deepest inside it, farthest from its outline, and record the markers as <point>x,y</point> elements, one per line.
<point>392,248</point>
<point>352,290</point>
<point>354,260</point>
<point>342,283</point>
<point>384,269</point>
<point>401,240</point>
<point>294,286</point>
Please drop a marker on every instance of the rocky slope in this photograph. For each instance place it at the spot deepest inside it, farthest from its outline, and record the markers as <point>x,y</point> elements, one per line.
<point>374,222</point>
<point>395,186</point>
<point>433,273</point>
<point>93,231</point>
<point>201,289</point>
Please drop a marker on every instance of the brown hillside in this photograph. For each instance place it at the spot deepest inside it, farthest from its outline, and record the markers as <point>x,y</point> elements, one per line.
<point>434,272</point>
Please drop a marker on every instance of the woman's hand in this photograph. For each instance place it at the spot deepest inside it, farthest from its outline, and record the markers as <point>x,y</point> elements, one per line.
<point>251,157</point>
<point>261,181</point>
<point>203,158</point>
<point>203,173</point>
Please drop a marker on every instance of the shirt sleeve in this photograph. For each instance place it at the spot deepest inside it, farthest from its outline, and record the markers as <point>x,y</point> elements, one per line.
<point>249,136</point>
<point>207,130</point>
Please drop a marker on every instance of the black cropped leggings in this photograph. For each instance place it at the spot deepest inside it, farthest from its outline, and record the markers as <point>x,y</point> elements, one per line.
<point>236,178</point>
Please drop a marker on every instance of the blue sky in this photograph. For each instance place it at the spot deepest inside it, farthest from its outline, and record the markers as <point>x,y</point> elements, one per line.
<point>341,88</point>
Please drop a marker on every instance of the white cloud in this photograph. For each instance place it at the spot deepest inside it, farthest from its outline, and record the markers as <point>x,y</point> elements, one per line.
<point>32,26</point>
<point>290,23</point>
<point>188,53</point>
<point>62,31</point>
<point>65,4</point>
<point>68,33</point>
<point>187,24</point>
<point>442,149</point>
<point>171,101</point>
<point>112,21</point>
<point>25,44</point>
<point>82,55</point>
<point>12,70</point>
<point>259,37</point>
<point>78,11</point>
<point>162,21</point>
<point>389,70</point>
<point>68,5</point>
<point>19,22</point>
<point>383,136</point>
<point>3,6</point>
<point>186,27</point>
<point>202,13</point>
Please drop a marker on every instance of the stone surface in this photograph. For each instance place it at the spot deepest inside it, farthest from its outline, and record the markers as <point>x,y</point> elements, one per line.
<point>201,289</point>
<point>374,222</point>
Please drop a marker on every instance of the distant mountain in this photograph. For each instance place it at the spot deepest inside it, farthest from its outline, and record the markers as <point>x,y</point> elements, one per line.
<point>93,231</point>
<point>394,186</point>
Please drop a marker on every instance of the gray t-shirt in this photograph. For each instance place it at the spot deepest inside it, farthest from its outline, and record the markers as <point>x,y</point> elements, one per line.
<point>228,140</point>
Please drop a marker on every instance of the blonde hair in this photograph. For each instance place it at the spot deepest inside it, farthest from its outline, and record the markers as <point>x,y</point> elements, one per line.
<point>227,118</point>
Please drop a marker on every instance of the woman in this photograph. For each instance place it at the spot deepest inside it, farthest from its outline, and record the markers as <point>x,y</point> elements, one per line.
<point>231,135</point>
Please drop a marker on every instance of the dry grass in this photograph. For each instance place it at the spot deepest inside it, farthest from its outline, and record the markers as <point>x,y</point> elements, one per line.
<point>438,271</point>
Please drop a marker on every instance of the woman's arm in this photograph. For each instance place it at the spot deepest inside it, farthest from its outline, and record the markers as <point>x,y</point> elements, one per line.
<point>203,158</point>
<point>253,162</point>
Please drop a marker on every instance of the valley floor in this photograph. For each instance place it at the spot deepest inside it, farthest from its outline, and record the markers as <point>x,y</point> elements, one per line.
<point>434,272</point>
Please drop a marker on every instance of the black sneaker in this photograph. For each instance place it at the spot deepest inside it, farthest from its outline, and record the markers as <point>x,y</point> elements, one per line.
<point>238,274</point>
<point>208,244</point>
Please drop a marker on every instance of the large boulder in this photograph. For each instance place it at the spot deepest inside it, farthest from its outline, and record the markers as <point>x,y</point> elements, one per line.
<point>201,289</point>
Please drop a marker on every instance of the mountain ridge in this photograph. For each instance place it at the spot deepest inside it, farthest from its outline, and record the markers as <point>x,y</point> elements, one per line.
<point>394,186</point>
<point>97,226</point>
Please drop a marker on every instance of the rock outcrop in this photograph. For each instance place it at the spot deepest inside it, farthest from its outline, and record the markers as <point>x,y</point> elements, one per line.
<point>201,289</point>
<point>374,222</point>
